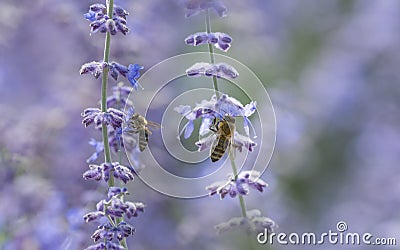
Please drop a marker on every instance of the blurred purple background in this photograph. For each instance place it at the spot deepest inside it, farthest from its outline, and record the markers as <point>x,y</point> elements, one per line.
<point>332,71</point>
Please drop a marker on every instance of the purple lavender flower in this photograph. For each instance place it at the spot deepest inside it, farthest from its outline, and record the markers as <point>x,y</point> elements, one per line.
<point>99,246</point>
<point>240,185</point>
<point>112,117</point>
<point>220,40</point>
<point>134,74</point>
<point>115,207</point>
<point>210,109</point>
<point>94,68</point>
<point>123,173</point>
<point>99,147</point>
<point>119,98</point>
<point>194,7</point>
<point>94,173</point>
<point>115,191</point>
<point>100,21</point>
<point>207,69</point>
<point>108,245</point>
<point>102,171</point>
<point>239,141</point>
<point>133,209</point>
<point>254,222</point>
<point>103,232</point>
<point>93,216</point>
<point>116,68</point>
<point>124,230</point>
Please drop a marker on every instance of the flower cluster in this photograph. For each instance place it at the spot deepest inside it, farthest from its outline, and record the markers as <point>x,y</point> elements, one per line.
<point>109,119</point>
<point>208,110</point>
<point>103,171</point>
<point>194,7</point>
<point>112,117</point>
<point>207,69</point>
<point>239,185</point>
<point>119,98</point>
<point>131,72</point>
<point>102,22</point>
<point>115,209</point>
<point>220,40</point>
<point>253,222</point>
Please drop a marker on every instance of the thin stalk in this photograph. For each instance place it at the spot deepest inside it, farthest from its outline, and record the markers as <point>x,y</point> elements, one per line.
<point>104,82</point>
<point>235,173</point>
<point>211,52</point>
<point>107,154</point>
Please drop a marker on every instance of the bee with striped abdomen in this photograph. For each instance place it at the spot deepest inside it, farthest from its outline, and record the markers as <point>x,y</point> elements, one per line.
<point>139,125</point>
<point>224,129</point>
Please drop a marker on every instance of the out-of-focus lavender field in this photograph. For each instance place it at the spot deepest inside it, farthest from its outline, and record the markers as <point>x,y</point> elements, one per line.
<point>331,68</point>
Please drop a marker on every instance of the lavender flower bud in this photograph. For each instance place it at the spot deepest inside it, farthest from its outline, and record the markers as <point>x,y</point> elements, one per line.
<point>133,208</point>
<point>119,11</point>
<point>99,24</point>
<point>225,38</point>
<point>97,7</point>
<point>123,70</point>
<point>117,207</point>
<point>124,230</point>
<point>94,68</point>
<point>93,216</point>
<point>213,38</point>
<point>94,173</point>
<point>99,246</point>
<point>222,46</point>
<point>114,246</point>
<point>189,40</point>
<point>200,38</point>
<point>123,173</point>
<point>227,71</point>
<point>103,232</point>
<point>114,191</point>
<point>122,28</point>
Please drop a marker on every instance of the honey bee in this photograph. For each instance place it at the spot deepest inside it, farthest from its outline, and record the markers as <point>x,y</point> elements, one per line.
<point>224,130</point>
<point>139,125</point>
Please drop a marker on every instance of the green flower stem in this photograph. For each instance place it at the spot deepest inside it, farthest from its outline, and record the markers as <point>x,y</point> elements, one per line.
<point>235,173</point>
<point>104,82</point>
<point>107,154</point>
<point>211,51</point>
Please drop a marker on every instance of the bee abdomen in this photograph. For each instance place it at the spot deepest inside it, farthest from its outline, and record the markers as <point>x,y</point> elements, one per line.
<point>219,149</point>
<point>143,140</point>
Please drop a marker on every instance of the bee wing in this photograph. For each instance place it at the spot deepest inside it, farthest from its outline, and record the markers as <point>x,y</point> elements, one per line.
<point>153,125</point>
